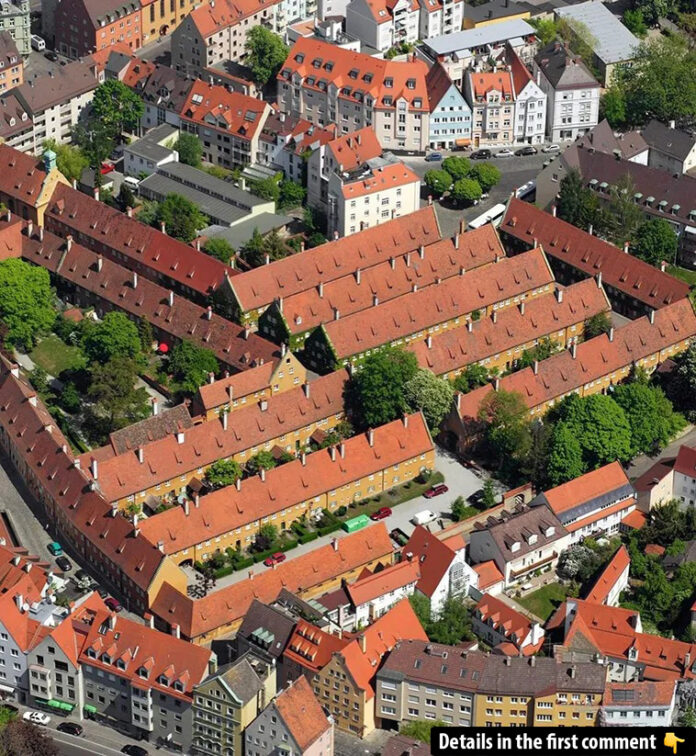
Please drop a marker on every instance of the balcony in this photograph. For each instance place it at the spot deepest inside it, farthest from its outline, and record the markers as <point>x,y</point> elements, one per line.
<point>515,574</point>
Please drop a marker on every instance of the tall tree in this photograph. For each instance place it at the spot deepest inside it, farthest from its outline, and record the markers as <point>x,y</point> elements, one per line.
<point>470,378</point>
<point>183,220</point>
<point>597,325</point>
<point>22,738</point>
<point>190,149</point>
<point>117,107</point>
<point>70,159</point>
<point>438,181</point>
<point>191,365</point>
<point>266,53</point>
<point>655,241</point>
<point>625,214</point>
<point>565,460</point>
<point>433,395</point>
<point>571,206</point>
<point>219,248</point>
<point>115,400</point>
<point>487,174</point>
<point>26,301</point>
<point>224,472</point>
<point>612,106</point>
<point>291,195</point>
<point>507,427</point>
<point>96,140</point>
<point>115,336</point>
<point>457,167</point>
<point>466,190</point>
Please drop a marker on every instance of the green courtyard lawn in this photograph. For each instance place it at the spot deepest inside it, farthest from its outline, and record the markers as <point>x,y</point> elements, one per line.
<point>544,601</point>
<point>686,275</point>
<point>55,356</point>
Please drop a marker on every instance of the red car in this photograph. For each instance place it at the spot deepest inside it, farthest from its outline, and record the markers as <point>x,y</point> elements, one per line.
<point>113,604</point>
<point>107,167</point>
<point>436,491</point>
<point>276,558</point>
<point>381,514</point>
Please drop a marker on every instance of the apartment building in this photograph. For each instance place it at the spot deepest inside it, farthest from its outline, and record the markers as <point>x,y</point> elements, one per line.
<point>572,92</point>
<point>439,17</point>
<point>82,27</point>
<point>585,369</point>
<point>382,25</point>
<point>322,569</point>
<point>295,317</point>
<point>613,580</point>
<point>449,303</point>
<point>360,467</point>
<point>11,63</point>
<point>506,630</point>
<point>530,103</point>
<point>50,105</point>
<point>499,341</point>
<point>640,704</point>
<point>326,84</point>
<point>144,156</point>
<point>217,32</point>
<point>228,124</point>
<point>342,670</point>
<point>255,290</point>
<point>593,504</point>
<point>492,99</point>
<point>227,702</point>
<point>293,722</point>
<point>671,149</point>
<point>634,288</point>
<point>161,18</point>
<point>15,20</point>
<point>163,92</point>
<point>450,114</point>
<point>234,392</point>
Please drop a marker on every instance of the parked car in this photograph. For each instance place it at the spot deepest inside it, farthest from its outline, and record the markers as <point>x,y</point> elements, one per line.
<point>276,558</point>
<point>134,750</point>
<point>72,728</point>
<point>398,536</point>
<point>64,563</point>
<point>106,167</point>
<point>504,153</point>
<point>551,148</point>
<point>113,604</point>
<point>36,717</point>
<point>481,155</point>
<point>436,491</point>
<point>476,497</point>
<point>424,517</point>
<point>433,157</point>
<point>52,56</point>
<point>381,513</point>
<point>55,548</point>
<point>528,150</point>
<point>37,43</point>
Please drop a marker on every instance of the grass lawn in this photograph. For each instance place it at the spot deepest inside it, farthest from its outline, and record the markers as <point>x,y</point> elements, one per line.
<point>689,276</point>
<point>54,355</point>
<point>544,601</point>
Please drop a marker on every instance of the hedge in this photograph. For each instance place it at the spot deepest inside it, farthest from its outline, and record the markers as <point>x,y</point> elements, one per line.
<point>329,528</point>
<point>307,537</point>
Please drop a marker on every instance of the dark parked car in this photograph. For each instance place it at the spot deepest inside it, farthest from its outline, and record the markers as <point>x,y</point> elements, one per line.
<point>64,563</point>
<point>529,150</point>
<point>433,157</point>
<point>72,728</point>
<point>436,491</point>
<point>50,55</point>
<point>113,604</point>
<point>134,750</point>
<point>481,155</point>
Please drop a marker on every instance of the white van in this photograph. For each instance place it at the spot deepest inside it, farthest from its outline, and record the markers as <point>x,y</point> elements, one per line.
<point>37,43</point>
<point>132,183</point>
<point>424,517</point>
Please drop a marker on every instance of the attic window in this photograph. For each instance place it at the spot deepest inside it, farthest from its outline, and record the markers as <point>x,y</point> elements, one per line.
<point>382,12</point>
<point>389,82</point>
<point>353,73</point>
<point>163,681</point>
<point>367,77</point>
<point>142,672</point>
<point>91,653</point>
<point>329,66</point>
<point>106,658</point>
<point>178,685</point>
<point>515,546</point>
<point>316,63</point>
<point>299,57</point>
<point>411,83</point>
<point>418,103</point>
<point>387,100</point>
<point>121,664</point>
<point>197,99</point>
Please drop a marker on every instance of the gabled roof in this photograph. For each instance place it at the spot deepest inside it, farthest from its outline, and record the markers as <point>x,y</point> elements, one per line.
<point>640,694</point>
<point>432,556</point>
<point>39,92</point>
<point>438,83</point>
<point>381,583</point>
<point>352,150</point>
<point>654,475</point>
<point>673,142</point>
<point>380,179</point>
<point>488,575</point>
<point>562,70</point>
<point>211,18</point>
<point>301,712</point>
<point>23,175</point>
<point>498,81</point>
<point>591,255</point>
<point>313,648</point>
<point>505,620</point>
<point>610,574</point>
<point>685,462</point>
<point>237,385</point>
<point>106,11</point>
<point>268,625</point>
<point>608,480</point>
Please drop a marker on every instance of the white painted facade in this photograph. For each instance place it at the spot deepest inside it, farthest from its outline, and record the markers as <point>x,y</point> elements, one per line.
<point>368,612</point>
<point>530,114</point>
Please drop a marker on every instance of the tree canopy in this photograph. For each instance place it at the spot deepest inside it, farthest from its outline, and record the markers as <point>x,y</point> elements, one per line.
<point>438,181</point>
<point>507,431</point>
<point>70,159</point>
<point>266,53</point>
<point>19,738</point>
<point>486,174</point>
<point>291,195</point>
<point>117,107</point>
<point>466,190</point>
<point>597,325</point>
<point>433,395</point>
<point>182,219</point>
<point>26,301</point>
<point>190,149</point>
<point>456,166</point>
<point>224,472</point>
<point>219,248</point>
<point>191,365</point>
<point>470,378</point>
<point>115,336</point>
<point>655,241</point>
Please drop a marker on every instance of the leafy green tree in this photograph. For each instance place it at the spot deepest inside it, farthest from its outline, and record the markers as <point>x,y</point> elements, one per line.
<point>266,53</point>
<point>182,218</point>
<point>486,174</point>
<point>652,10</point>
<point>680,385</point>
<point>625,214</point>
<point>571,205</point>
<point>457,167</point>
<point>147,212</point>
<point>205,577</point>
<point>421,608</point>
<point>191,365</point>
<point>224,472</point>
<point>70,159</point>
<point>116,402</point>
<point>115,336</point>
<point>542,351</point>
<point>219,248</point>
<point>578,35</point>
<point>687,718</point>
<point>126,198</point>
<point>190,149</point>
<point>376,393</point>
<point>452,625</point>
<point>26,302</point>
<point>267,536</point>
<point>612,106</point>
<point>20,738</point>
<point>545,28</point>
<point>420,729</point>
<point>6,716</point>
<point>264,460</point>
<point>565,461</point>
<point>39,380</point>
<point>655,241</point>
<point>635,22</point>
<point>597,325</point>
<point>650,415</point>
<point>96,140</point>
<point>466,190</point>
<point>146,335</point>
<point>117,107</point>
<point>291,195</point>
<point>437,181</point>
<point>488,497</point>
<point>69,398</point>
<point>470,378</point>
<point>507,431</point>
<point>433,395</point>
<point>268,188</point>
<point>460,509</point>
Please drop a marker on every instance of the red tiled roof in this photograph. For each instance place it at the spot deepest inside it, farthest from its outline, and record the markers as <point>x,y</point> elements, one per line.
<point>599,515</point>
<point>352,150</point>
<point>539,318</point>
<point>641,694</point>
<point>302,714</point>
<point>299,574</point>
<point>654,549</point>
<point>288,485</point>
<point>454,297</point>
<point>588,253</point>
<point>241,384</point>
<point>213,17</point>
<point>635,520</point>
<point>433,556</point>
<point>312,647</point>
<point>259,287</point>
<point>122,475</point>
<point>489,574</point>
<point>22,175</point>
<point>381,583</point>
<point>503,618</point>
<point>656,474</point>
<point>386,177</point>
<point>390,278</point>
<point>146,250</point>
<point>610,574</point>
<point>685,462</point>
<point>589,486</point>
<point>483,83</point>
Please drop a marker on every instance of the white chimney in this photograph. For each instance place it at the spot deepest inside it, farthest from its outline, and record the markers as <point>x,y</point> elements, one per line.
<point>135,280</point>
<point>155,405</point>
<point>141,454</point>
<point>95,468</point>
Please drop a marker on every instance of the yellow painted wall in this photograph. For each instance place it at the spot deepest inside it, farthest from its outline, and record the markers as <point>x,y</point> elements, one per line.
<point>469,23</point>
<point>160,13</point>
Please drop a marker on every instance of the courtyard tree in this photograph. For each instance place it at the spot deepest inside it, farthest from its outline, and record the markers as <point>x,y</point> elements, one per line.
<point>26,302</point>
<point>114,336</point>
<point>192,365</point>
<point>266,53</point>
<point>190,149</point>
<point>430,394</point>
<point>224,472</point>
<point>117,107</point>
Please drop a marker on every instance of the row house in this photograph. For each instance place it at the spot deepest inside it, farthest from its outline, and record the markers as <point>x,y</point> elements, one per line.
<point>587,368</point>
<point>499,342</point>
<point>634,287</point>
<point>642,703</point>
<point>228,124</point>
<point>530,103</point>
<point>326,84</point>
<point>450,121</point>
<point>342,671</point>
<point>613,580</point>
<point>506,630</point>
<point>256,290</point>
<point>449,303</point>
<point>11,63</point>
<point>584,631</point>
<point>671,149</point>
<point>593,504</point>
<point>86,279</point>
<point>492,98</point>
<point>310,575</point>
<point>166,466</point>
<point>519,542</point>
<point>216,32</point>
<point>456,686</point>
<point>82,27</point>
<point>359,468</point>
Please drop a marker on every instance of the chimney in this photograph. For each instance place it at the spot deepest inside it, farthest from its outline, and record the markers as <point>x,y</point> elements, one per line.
<point>535,367</point>
<point>559,295</point>
<point>68,242</point>
<point>14,370</point>
<point>532,661</point>
<point>305,388</point>
<point>573,671</point>
<point>30,228</point>
<point>209,313</point>
<point>212,664</point>
<point>224,420</point>
<point>421,251</point>
<point>230,393</point>
<point>180,437</point>
<point>337,314</point>
<point>408,259</point>
<point>342,450</point>
<point>371,437</point>
<point>357,276</point>
<point>176,631</point>
<point>186,507</point>
<point>626,246</point>
<point>652,316</point>
<point>611,334</point>
<point>334,543</point>
<point>163,227</point>
<point>663,266</point>
<point>171,298</point>
<point>41,233</point>
<point>303,459</point>
<point>283,349</point>
<point>496,384</point>
<point>522,307</point>
<point>135,280</point>
<point>332,451</point>
<point>155,405</point>
<point>263,405</point>
<point>129,211</point>
<point>375,300</point>
<point>363,642</point>
<point>19,600</point>
<point>238,484</point>
<point>100,263</point>
<point>267,259</point>
<point>574,350</point>
<point>321,288</point>
<point>430,199</point>
<point>262,474</point>
<point>553,210</point>
<point>141,454</point>
<point>459,400</point>
<point>494,316</point>
<point>148,615</point>
<point>590,229</point>
<point>599,280</point>
<point>280,304</point>
<point>456,241</point>
<point>95,468</point>
<point>470,325</point>
<point>405,420</point>
<point>211,377</point>
<point>76,463</point>
<point>96,193</point>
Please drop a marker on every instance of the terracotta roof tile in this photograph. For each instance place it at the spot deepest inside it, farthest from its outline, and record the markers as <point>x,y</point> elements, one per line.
<point>686,461</point>
<point>302,713</point>
<point>386,177</point>
<point>591,485</point>
<point>610,574</point>
<point>502,618</point>
<point>22,175</point>
<point>381,583</point>
<point>635,520</point>
<point>432,555</point>
<point>350,151</point>
<point>213,17</point>
<point>483,83</point>
<point>639,694</point>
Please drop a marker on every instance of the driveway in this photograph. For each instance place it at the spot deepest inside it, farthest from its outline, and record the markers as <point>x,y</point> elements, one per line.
<point>643,462</point>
